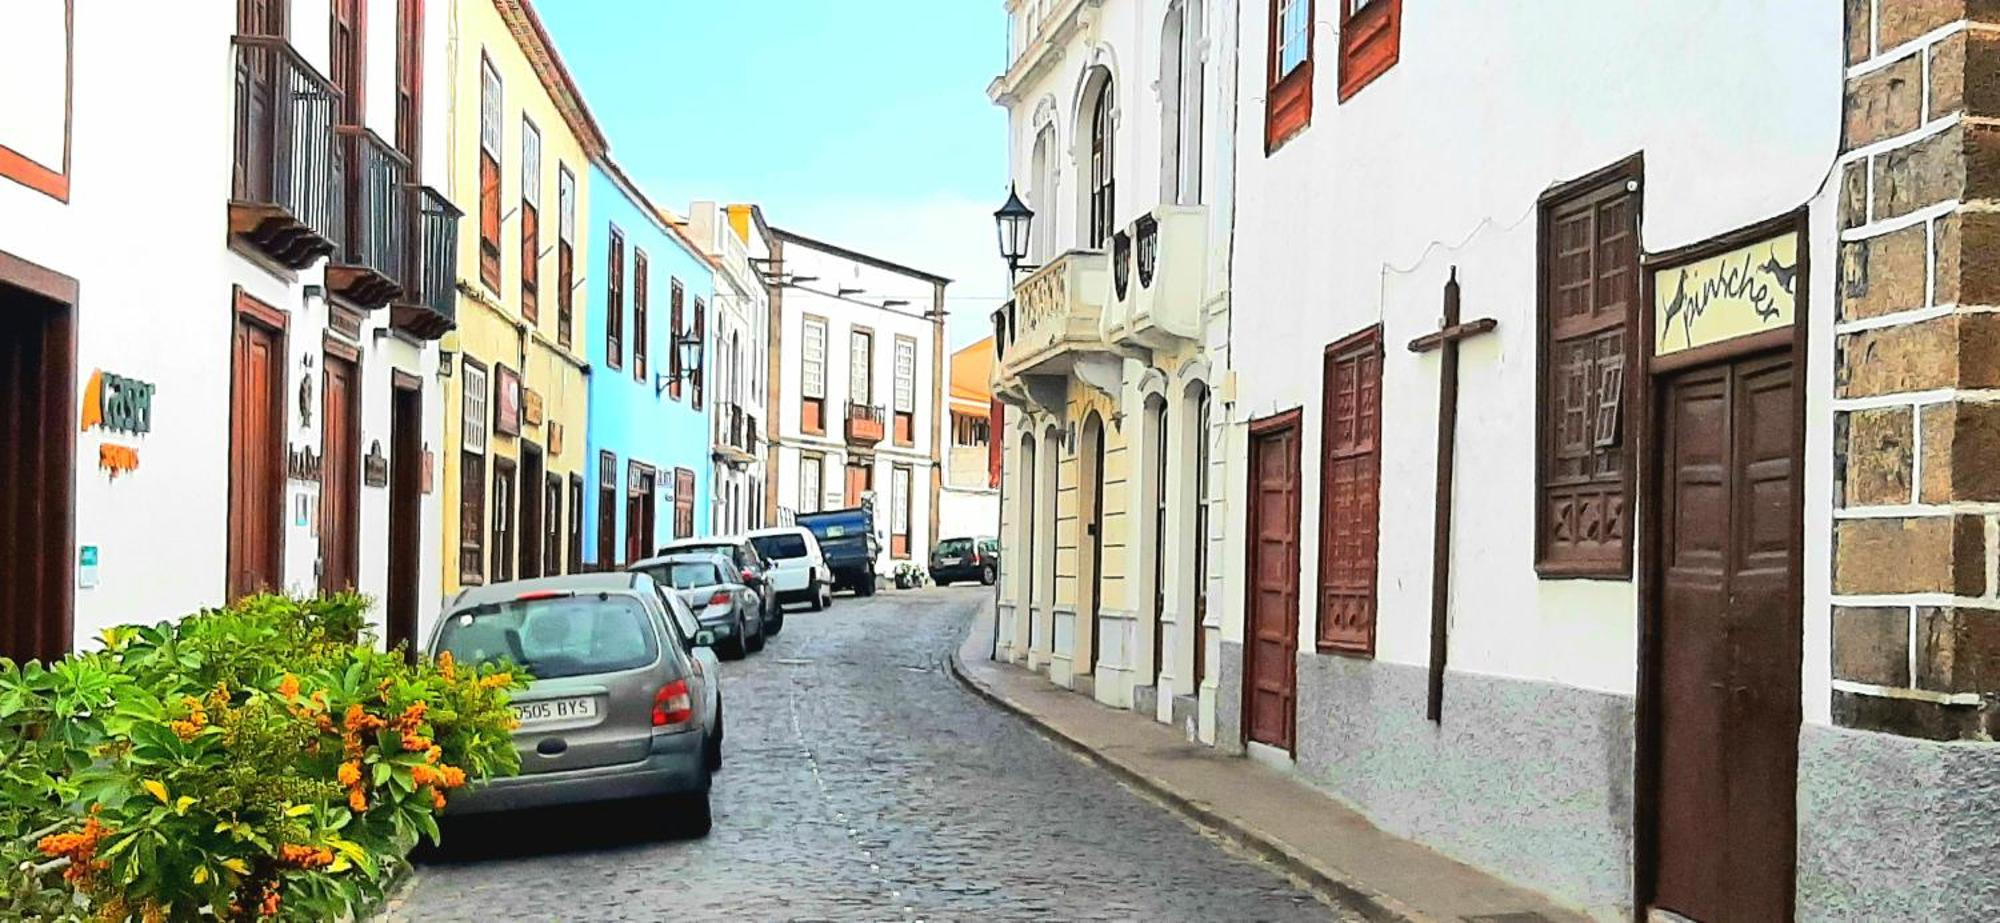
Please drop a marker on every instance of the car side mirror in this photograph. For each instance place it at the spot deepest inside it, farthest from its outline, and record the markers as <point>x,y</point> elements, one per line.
<point>704,638</point>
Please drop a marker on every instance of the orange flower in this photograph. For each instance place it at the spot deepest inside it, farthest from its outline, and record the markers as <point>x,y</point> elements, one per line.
<point>445,665</point>
<point>289,686</point>
<point>357,801</point>
<point>269,906</point>
<point>349,773</point>
<point>497,681</point>
<point>416,742</point>
<point>452,775</point>
<point>437,800</point>
<point>434,754</point>
<point>80,848</point>
<point>425,775</point>
<point>186,730</point>
<point>305,857</point>
<point>410,719</point>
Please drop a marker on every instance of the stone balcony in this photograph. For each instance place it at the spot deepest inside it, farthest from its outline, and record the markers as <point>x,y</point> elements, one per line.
<point>1159,280</point>
<point>1052,331</point>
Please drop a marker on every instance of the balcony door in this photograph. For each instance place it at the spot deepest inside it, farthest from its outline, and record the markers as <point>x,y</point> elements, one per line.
<point>639,512</point>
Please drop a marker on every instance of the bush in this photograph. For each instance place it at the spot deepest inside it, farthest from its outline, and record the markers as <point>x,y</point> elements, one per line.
<point>263,761</point>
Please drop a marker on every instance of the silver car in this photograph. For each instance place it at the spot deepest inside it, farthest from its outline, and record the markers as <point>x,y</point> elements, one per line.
<point>625,702</point>
<point>710,585</point>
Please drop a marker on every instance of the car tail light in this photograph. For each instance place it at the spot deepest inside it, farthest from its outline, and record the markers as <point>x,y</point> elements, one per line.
<point>749,576</point>
<point>672,704</point>
<point>542,594</point>
<point>721,598</point>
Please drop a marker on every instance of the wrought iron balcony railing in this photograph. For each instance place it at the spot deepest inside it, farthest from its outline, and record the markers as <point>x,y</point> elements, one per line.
<point>370,266</point>
<point>285,195</point>
<point>866,423</point>
<point>428,306</point>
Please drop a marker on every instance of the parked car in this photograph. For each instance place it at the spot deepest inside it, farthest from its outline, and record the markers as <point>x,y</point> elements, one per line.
<point>798,568</point>
<point>624,705</point>
<point>709,585</point>
<point>956,559</point>
<point>847,540</point>
<point>750,564</point>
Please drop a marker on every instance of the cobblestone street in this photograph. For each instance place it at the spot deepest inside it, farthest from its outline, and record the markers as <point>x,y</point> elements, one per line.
<point>861,782</point>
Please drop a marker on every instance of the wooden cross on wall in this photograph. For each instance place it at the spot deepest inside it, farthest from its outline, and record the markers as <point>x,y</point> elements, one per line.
<point>1445,340</point>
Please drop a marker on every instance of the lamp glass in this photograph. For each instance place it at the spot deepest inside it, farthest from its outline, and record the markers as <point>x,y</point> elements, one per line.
<point>1014,222</point>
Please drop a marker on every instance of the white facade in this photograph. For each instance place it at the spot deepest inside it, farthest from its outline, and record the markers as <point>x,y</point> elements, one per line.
<point>878,435</point>
<point>738,350</point>
<point>1150,383</point>
<point>146,241</point>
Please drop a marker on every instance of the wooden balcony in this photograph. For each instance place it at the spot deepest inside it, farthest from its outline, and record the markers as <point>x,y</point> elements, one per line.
<point>285,195</point>
<point>369,267</point>
<point>866,424</point>
<point>428,307</point>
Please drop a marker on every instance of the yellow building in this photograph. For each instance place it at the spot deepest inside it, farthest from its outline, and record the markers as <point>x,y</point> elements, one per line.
<point>513,471</point>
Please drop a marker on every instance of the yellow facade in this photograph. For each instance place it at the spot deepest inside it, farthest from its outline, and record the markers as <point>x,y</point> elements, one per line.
<point>1074,494</point>
<point>492,329</point>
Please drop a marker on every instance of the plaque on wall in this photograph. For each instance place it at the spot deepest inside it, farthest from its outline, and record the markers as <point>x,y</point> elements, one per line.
<point>375,466</point>
<point>555,438</point>
<point>506,401</point>
<point>531,407</point>
<point>302,464</point>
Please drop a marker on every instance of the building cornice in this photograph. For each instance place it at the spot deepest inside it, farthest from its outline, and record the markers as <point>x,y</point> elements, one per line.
<point>1045,50</point>
<point>540,50</point>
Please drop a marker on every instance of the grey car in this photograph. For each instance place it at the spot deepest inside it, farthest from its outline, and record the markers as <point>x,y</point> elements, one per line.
<point>753,571</point>
<point>625,703</point>
<point>708,583</point>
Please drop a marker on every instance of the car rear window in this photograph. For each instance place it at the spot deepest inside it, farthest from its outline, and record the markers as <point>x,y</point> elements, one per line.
<point>556,637</point>
<point>780,547</point>
<point>724,549</point>
<point>685,575</point>
<point>955,546</point>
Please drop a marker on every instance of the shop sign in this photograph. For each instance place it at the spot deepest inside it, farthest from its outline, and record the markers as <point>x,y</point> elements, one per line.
<point>531,407</point>
<point>507,401</point>
<point>1748,290</point>
<point>118,404</point>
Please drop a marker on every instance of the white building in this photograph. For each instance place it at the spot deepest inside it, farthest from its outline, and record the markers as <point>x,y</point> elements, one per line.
<point>740,368</point>
<point>240,321</point>
<point>969,502</point>
<point>1111,354</point>
<point>859,349</point>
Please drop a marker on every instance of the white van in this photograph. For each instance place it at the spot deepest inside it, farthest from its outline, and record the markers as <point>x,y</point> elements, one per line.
<point>798,570</point>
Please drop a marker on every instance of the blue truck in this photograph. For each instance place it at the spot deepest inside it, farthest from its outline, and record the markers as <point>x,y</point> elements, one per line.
<point>847,541</point>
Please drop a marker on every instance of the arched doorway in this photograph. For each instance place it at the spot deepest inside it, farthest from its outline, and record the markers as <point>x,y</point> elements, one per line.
<point>1197,396</point>
<point>1090,456</point>
<point>1157,454</point>
<point>1030,473</point>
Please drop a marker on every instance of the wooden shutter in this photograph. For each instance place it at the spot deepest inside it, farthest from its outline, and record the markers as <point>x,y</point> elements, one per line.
<point>565,254</point>
<point>1350,492</point>
<point>683,502</point>
<point>614,307</point>
<point>642,338</point>
<point>410,80</point>
<point>1590,291</point>
<point>700,336</point>
<point>489,174</point>
<point>531,223</point>
<point>607,511</point>
<point>674,321</point>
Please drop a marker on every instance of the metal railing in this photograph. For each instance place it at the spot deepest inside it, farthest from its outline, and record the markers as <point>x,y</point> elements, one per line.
<point>285,153</point>
<point>433,270</point>
<point>378,203</point>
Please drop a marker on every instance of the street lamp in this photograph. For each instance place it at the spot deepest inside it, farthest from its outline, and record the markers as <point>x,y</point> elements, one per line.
<point>688,350</point>
<point>1015,221</point>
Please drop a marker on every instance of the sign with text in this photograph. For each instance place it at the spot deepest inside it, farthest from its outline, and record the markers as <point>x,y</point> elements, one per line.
<point>117,404</point>
<point>1744,291</point>
<point>507,401</point>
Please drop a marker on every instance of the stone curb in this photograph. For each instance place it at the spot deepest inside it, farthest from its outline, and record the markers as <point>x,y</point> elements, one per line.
<point>1332,885</point>
<point>392,901</point>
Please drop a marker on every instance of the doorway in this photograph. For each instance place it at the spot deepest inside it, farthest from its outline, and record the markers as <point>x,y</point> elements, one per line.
<point>1030,473</point>
<point>340,469</point>
<point>1091,475</point>
<point>256,449</point>
<point>406,487</point>
<point>502,569</point>
<point>1156,414</point>
<point>1270,671</point>
<point>532,499</point>
<point>640,488</point>
<point>860,480</point>
<point>37,462</point>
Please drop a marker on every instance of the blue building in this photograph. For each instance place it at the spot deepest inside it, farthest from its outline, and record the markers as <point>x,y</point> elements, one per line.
<point>647,475</point>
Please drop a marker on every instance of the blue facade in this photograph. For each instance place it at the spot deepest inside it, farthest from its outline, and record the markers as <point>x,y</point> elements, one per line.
<point>633,420</point>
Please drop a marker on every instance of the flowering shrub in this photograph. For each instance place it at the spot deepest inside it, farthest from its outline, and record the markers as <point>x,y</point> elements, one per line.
<point>263,761</point>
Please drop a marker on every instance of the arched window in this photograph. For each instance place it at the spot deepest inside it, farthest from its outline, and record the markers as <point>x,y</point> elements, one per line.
<point>1042,195</point>
<point>1192,83</point>
<point>1102,186</point>
<point>1172,143</point>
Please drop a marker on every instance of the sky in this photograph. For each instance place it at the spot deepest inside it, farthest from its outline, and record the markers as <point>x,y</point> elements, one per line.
<point>862,123</point>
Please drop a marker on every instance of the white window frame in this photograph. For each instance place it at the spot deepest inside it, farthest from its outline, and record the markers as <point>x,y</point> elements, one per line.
<point>811,489</point>
<point>473,431</point>
<point>531,163</point>
<point>861,366</point>
<point>899,486</point>
<point>906,375</point>
<point>566,203</point>
<point>1285,8</point>
<point>812,360</point>
<point>490,106</point>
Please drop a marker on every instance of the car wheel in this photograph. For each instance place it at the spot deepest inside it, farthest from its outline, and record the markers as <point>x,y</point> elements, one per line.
<point>755,643</point>
<point>819,599</point>
<point>713,751</point>
<point>732,649</point>
<point>775,624</point>
<point>866,588</point>
<point>987,575</point>
<point>690,815</point>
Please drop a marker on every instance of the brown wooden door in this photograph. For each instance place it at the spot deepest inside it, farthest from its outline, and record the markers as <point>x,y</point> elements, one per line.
<point>1728,643</point>
<point>37,366</point>
<point>532,498</point>
<point>552,525</point>
<point>639,513</point>
<point>1270,683</point>
<point>860,480</point>
<point>406,487</point>
<point>1093,436</point>
<point>256,456</point>
<point>502,569</point>
<point>340,477</point>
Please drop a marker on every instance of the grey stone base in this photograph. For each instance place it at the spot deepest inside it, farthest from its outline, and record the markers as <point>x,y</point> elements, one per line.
<point>1146,700</point>
<point>1187,715</point>
<point>1229,698</point>
<point>1894,828</point>
<point>1529,781</point>
<point>1085,685</point>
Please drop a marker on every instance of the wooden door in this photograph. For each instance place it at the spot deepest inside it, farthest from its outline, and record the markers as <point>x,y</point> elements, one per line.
<point>532,498</point>
<point>502,568</point>
<point>552,525</point>
<point>406,488</point>
<point>1727,642</point>
<point>37,369</point>
<point>256,451</point>
<point>340,476</point>
<point>1270,682</point>
<point>1093,437</point>
<point>639,512</point>
<point>860,480</point>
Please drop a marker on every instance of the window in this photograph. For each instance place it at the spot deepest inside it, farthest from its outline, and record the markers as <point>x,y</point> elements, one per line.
<point>575,525</point>
<point>812,377</point>
<point>641,324</point>
<point>969,430</point>
<point>812,484</point>
<point>563,636</point>
<point>700,336</point>
<point>1103,189</point>
<point>899,515</point>
<point>531,222</point>
<point>1042,195</point>
<point>906,391</point>
<point>683,503</point>
<point>503,519</point>
<point>489,174</point>
<point>614,303</point>
<point>349,32</point>
<point>1350,492</point>
<point>607,511</point>
<point>675,296</point>
<point>472,475</point>
<point>565,254</point>
<point>860,366</point>
<point>409,78</point>
<point>1370,31</point>
<point>1289,76</point>
<point>1589,292</point>
<point>1181,88</point>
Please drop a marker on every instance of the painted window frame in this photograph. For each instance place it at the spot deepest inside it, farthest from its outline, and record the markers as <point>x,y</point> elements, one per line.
<point>903,395</point>
<point>812,491</point>
<point>506,499</point>
<point>492,131</point>
<point>1350,464</point>
<point>861,366</point>
<point>812,374</point>
<point>700,331</point>
<point>1370,42</point>
<point>614,301</point>
<point>565,255</point>
<point>1103,165</point>
<point>1288,94</point>
<point>902,481</point>
<point>473,439</point>
<point>642,321</point>
<point>531,221</point>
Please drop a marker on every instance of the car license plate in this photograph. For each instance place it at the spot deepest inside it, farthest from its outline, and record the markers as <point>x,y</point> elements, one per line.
<point>947,562</point>
<point>835,531</point>
<point>553,710</point>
